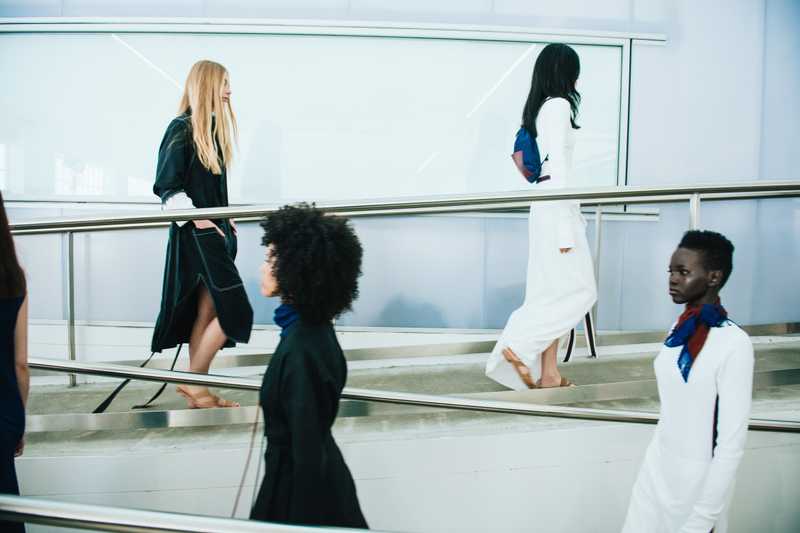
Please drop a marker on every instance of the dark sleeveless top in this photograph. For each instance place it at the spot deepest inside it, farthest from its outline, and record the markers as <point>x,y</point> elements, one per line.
<point>12,414</point>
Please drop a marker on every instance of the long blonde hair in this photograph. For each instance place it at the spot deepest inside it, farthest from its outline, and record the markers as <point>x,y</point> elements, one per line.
<point>202,95</point>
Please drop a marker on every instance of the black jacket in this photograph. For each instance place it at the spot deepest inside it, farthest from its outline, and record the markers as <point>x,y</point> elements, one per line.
<point>306,480</point>
<point>194,255</point>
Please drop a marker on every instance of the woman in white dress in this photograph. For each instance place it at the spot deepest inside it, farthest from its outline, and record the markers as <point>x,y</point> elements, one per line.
<point>560,288</point>
<point>705,381</point>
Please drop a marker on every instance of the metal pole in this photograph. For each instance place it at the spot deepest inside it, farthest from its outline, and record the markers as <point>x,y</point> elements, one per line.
<point>371,395</point>
<point>431,205</point>
<point>106,518</point>
<point>71,303</point>
<point>694,211</point>
<point>598,234</point>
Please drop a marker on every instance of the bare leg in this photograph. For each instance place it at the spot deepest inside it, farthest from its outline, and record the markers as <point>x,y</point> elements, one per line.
<point>521,368</point>
<point>204,351</point>
<point>551,377</point>
<point>206,340</point>
<point>205,314</point>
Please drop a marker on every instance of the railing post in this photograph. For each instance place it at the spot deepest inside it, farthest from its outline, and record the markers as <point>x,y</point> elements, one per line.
<point>598,234</point>
<point>71,303</point>
<point>694,211</point>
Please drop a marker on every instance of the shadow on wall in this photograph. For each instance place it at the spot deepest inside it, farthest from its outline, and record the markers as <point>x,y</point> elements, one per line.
<point>400,312</point>
<point>501,302</point>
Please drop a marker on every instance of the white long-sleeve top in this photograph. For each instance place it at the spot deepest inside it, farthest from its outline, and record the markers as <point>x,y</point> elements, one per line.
<point>556,142</point>
<point>179,200</point>
<point>685,484</point>
<point>560,287</point>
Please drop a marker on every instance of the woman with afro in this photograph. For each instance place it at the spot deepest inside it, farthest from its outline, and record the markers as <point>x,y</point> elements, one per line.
<point>312,263</point>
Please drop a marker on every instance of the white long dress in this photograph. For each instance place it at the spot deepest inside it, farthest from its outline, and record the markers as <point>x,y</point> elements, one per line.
<point>560,288</point>
<point>681,487</point>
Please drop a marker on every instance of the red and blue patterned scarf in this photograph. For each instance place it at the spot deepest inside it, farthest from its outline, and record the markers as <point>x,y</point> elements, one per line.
<point>691,332</point>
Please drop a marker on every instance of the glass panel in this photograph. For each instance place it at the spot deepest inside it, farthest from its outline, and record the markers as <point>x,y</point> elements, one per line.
<point>762,288</point>
<point>456,271</point>
<point>321,117</point>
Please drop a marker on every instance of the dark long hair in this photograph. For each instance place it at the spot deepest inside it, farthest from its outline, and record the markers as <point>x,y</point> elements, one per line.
<point>554,75</point>
<point>12,278</point>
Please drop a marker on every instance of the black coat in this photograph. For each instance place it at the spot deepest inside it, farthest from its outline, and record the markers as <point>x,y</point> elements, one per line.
<point>196,256</point>
<point>12,413</point>
<point>306,480</point>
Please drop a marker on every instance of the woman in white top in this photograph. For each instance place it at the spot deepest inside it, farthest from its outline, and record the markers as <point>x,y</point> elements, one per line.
<point>560,288</point>
<point>705,381</point>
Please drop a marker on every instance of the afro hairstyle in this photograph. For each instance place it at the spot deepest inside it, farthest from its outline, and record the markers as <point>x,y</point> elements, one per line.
<point>717,251</point>
<point>317,260</point>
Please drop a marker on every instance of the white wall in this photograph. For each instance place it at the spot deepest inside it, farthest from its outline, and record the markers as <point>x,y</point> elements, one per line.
<point>631,15</point>
<point>716,103</point>
<point>780,121</point>
<point>320,117</point>
<point>557,476</point>
<point>698,104</point>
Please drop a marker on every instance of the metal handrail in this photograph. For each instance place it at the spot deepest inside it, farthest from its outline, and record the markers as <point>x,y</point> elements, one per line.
<point>327,27</point>
<point>106,518</point>
<point>598,197</point>
<point>371,395</point>
<point>433,204</point>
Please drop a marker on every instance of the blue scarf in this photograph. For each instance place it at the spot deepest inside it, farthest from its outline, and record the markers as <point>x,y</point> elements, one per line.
<point>692,330</point>
<point>285,316</point>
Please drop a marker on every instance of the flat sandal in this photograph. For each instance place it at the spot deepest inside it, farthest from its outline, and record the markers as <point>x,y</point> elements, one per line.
<point>521,368</point>
<point>564,383</point>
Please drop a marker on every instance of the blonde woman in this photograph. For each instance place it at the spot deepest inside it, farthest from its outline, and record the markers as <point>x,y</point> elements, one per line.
<point>203,300</point>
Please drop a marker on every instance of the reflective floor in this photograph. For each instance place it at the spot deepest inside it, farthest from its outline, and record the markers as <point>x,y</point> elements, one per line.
<point>456,469</point>
<point>622,377</point>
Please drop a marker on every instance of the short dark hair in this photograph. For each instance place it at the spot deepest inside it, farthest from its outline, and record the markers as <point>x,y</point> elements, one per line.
<point>717,251</point>
<point>318,260</point>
